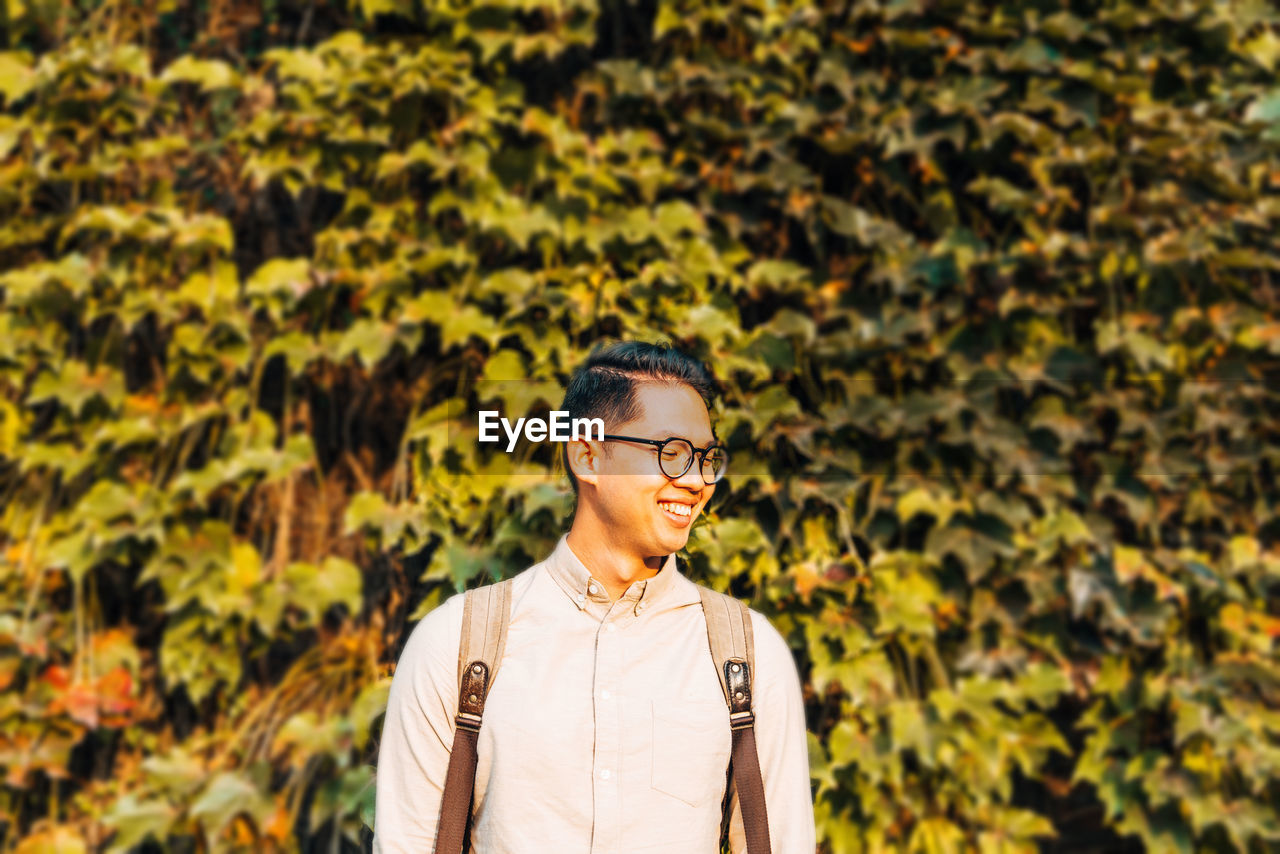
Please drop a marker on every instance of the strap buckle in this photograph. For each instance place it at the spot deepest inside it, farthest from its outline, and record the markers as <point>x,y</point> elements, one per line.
<point>468,721</point>
<point>474,689</point>
<point>737,683</point>
<point>742,720</point>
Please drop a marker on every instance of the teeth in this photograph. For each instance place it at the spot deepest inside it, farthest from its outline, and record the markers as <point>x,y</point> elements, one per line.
<point>678,509</point>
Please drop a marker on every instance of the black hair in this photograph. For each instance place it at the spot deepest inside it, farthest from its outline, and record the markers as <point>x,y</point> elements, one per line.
<point>604,386</point>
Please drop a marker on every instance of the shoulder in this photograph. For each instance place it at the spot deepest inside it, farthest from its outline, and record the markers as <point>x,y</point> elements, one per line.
<point>437,636</point>
<point>432,648</point>
<point>768,640</point>
<point>447,615</point>
<point>775,662</point>
<point>771,650</point>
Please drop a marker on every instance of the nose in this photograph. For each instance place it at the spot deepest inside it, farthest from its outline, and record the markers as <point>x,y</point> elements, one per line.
<point>692,478</point>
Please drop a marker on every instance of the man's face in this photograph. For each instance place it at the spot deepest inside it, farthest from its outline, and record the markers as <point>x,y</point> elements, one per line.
<point>646,510</point>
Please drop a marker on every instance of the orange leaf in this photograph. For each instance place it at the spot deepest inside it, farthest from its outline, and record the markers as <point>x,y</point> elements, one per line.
<point>115,692</point>
<point>57,676</point>
<point>806,577</point>
<point>80,702</point>
<point>280,826</point>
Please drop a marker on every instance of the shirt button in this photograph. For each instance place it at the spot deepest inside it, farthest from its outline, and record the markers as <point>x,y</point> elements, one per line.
<point>604,775</point>
<point>593,589</point>
<point>604,695</point>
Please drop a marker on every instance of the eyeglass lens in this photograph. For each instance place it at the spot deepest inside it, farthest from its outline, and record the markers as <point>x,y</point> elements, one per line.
<point>676,456</point>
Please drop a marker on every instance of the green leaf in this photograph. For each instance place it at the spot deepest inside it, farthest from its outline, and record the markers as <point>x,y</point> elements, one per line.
<point>936,836</point>
<point>1264,48</point>
<point>370,339</point>
<point>176,773</point>
<point>774,404</point>
<point>228,794</point>
<point>782,275</point>
<point>922,500</point>
<point>369,705</point>
<point>1264,108</point>
<point>336,581</point>
<point>678,217</point>
<point>135,821</point>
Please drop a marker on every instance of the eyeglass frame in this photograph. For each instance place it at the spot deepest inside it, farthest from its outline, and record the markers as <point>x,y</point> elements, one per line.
<point>700,454</point>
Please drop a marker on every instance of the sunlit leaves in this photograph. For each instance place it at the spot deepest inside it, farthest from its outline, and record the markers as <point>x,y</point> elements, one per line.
<point>987,289</point>
<point>209,74</point>
<point>227,795</point>
<point>17,77</point>
<point>336,581</point>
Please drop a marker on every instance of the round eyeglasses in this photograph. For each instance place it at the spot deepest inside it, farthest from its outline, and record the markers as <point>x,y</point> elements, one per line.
<point>675,455</point>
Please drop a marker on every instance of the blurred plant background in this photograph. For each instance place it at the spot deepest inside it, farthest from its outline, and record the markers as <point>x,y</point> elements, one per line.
<point>990,287</point>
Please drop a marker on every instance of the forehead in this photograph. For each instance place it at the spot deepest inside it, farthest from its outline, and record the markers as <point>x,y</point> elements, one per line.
<point>670,410</point>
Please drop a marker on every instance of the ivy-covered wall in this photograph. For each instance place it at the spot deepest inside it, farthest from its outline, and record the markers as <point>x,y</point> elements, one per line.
<point>989,287</point>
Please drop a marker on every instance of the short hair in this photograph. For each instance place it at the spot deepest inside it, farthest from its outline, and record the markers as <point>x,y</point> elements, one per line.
<point>604,386</point>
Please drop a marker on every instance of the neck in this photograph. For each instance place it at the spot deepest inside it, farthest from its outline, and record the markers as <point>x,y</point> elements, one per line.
<point>610,562</point>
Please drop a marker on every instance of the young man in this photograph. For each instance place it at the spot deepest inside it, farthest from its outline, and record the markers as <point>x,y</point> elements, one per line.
<point>606,729</point>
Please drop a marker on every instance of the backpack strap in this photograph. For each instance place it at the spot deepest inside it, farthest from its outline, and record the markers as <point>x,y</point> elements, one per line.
<point>485,614</point>
<point>733,650</point>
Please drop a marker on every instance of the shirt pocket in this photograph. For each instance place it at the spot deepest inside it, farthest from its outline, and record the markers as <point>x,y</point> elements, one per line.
<point>691,747</point>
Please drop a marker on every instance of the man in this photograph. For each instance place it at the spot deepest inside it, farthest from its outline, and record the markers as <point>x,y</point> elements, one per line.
<point>606,729</point>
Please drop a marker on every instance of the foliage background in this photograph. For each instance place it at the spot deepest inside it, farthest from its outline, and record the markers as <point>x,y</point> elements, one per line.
<point>989,287</point>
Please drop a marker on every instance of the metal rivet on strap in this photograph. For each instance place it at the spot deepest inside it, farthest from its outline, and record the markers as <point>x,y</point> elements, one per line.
<point>737,696</point>
<point>735,667</point>
<point>477,669</point>
<point>472,698</point>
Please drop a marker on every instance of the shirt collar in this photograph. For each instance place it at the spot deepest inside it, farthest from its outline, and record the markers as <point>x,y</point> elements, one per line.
<point>586,592</point>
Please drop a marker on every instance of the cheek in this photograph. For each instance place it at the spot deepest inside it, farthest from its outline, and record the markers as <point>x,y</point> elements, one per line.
<point>706,500</point>
<point>639,494</point>
<point>631,495</point>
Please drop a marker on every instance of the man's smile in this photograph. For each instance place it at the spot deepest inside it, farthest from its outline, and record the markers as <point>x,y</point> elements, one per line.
<point>679,512</point>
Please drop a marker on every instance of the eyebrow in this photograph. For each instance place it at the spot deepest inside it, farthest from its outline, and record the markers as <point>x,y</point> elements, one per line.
<point>670,435</point>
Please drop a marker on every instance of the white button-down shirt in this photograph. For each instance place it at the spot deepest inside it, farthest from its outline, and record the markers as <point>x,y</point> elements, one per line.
<point>605,730</point>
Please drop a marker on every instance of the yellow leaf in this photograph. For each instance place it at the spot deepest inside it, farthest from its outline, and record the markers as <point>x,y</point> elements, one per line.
<point>209,73</point>
<point>289,275</point>
<point>918,500</point>
<point>10,428</point>
<point>55,840</point>
<point>246,567</point>
<point>1244,552</point>
<point>17,77</point>
<point>1129,563</point>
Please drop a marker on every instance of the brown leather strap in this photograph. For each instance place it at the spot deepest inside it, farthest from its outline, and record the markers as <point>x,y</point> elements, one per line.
<point>455,807</point>
<point>744,766</point>
<point>460,780</point>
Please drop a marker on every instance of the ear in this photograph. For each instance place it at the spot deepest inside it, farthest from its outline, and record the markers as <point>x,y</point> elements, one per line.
<point>584,461</point>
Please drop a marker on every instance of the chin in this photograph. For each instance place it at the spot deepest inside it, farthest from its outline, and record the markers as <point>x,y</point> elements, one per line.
<point>674,543</point>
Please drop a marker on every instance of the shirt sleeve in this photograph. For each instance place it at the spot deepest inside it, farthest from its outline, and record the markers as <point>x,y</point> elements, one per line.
<point>783,747</point>
<point>417,734</point>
